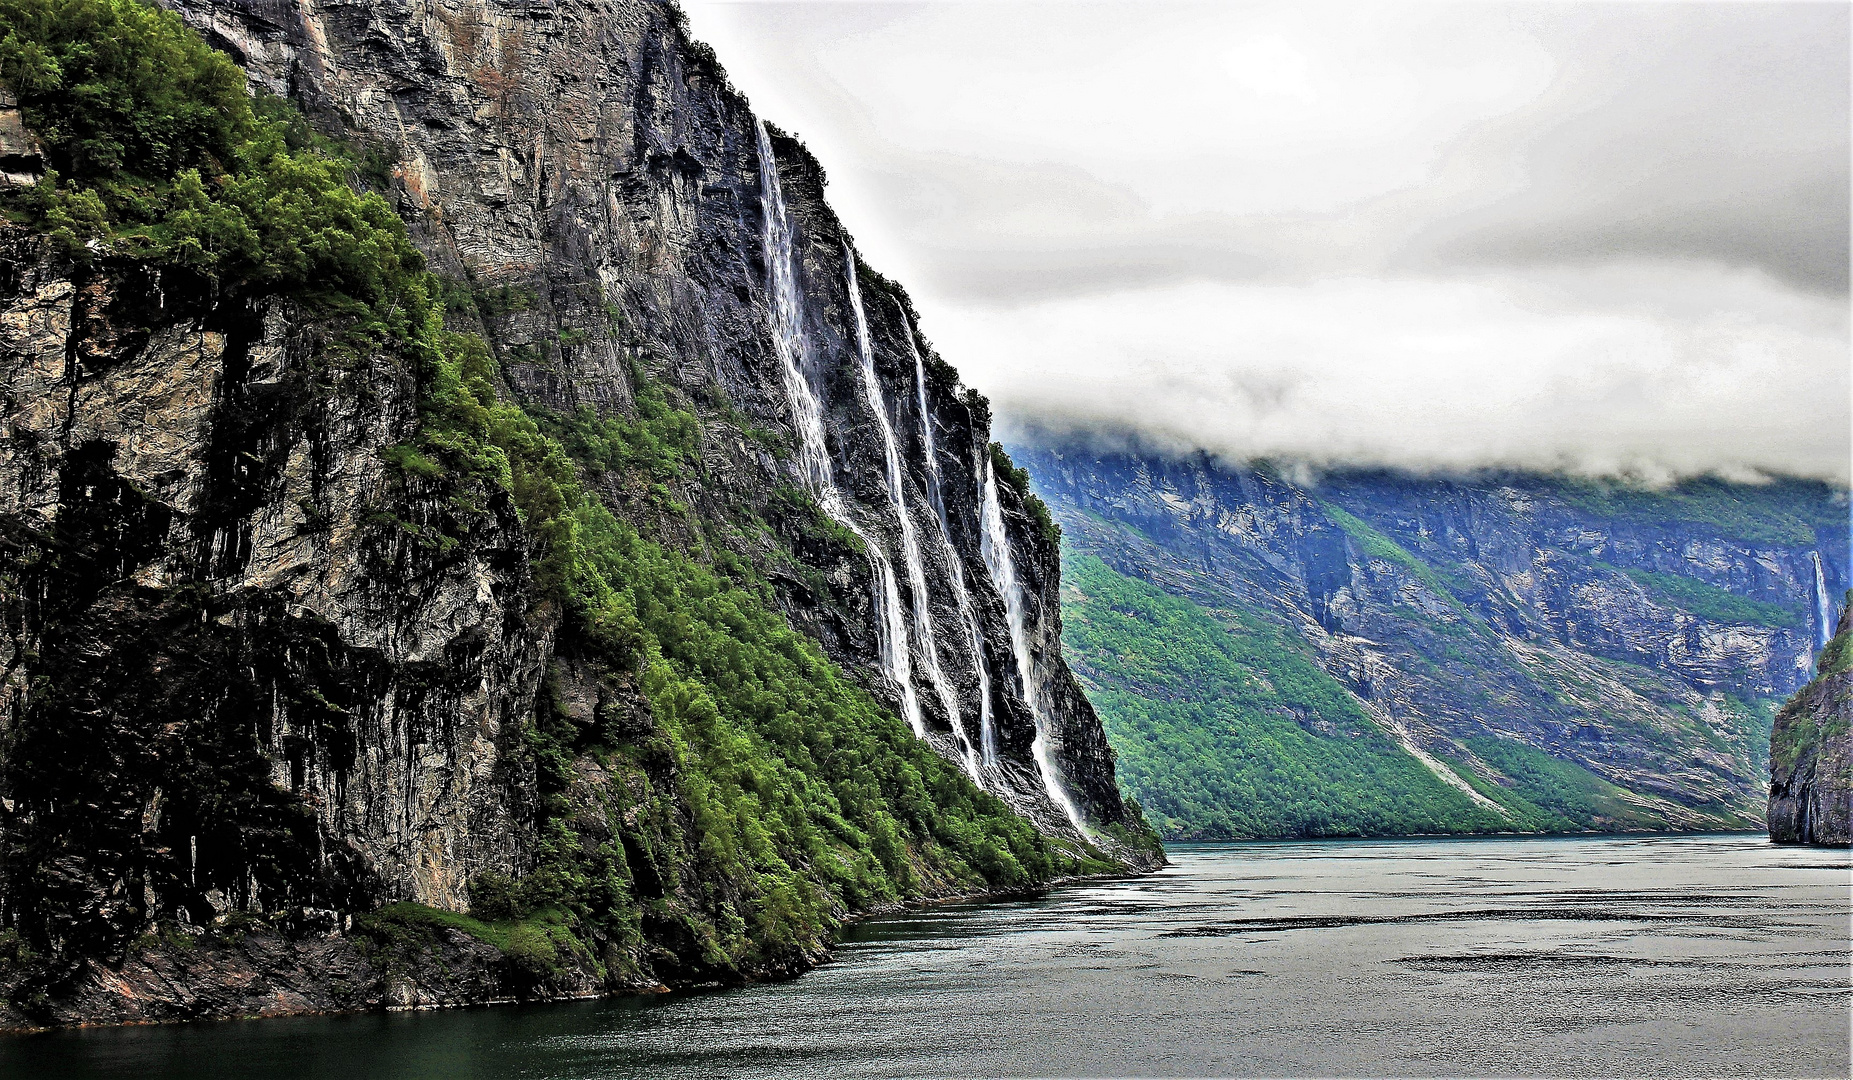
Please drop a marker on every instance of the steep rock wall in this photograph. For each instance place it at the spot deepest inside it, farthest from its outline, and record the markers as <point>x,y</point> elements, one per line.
<point>1456,609</point>
<point>1811,752</point>
<point>590,153</point>
<point>215,584</point>
<point>258,677</point>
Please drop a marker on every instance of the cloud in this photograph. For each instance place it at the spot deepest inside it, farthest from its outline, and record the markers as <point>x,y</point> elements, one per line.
<point>1439,375</point>
<point>1700,132</point>
<point>1602,236</point>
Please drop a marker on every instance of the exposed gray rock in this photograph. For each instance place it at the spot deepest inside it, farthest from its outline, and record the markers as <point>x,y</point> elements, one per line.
<point>20,160</point>
<point>1811,752</point>
<point>588,152</point>
<point>1511,611</point>
<point>214,573</point>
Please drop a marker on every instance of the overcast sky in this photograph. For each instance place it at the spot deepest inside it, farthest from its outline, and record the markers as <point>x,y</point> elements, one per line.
<point>1601,236</point>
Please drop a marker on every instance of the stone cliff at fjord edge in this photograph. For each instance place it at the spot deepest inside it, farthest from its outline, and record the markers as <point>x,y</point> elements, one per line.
<point>455,661</point>
<point>1811,751</point>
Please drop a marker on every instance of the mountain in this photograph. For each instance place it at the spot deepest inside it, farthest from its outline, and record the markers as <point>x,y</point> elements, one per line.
<point>1811,751</point>
<point>1373,652</point>
<point>475,528</point>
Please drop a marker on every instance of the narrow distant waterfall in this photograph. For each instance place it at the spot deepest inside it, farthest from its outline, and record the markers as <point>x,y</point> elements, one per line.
<point>987,734</point>
<point>910,544</point>
<point>793,347</point>
<point>996,544</point>
<point>1823,606</point>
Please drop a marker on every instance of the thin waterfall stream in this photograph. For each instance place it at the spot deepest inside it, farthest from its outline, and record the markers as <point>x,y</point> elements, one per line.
<point>921,607</point>
<point>1823,606</point>
<point>961,594</point>
<point>996,545</point>
<point>793,347</point>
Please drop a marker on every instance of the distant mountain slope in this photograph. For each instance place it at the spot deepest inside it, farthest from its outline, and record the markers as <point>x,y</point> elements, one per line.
<point>1580,655</point>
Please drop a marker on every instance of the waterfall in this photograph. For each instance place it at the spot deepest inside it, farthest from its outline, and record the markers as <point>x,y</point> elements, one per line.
<point>921,607</point>
<point>1823,607</point>
<point>996,544</point>
<point>961,595</point>
<point>790,341</point>
<point>793,347</point>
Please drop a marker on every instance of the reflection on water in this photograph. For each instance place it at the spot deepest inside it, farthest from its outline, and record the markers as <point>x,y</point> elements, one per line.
<point>1715,955</point>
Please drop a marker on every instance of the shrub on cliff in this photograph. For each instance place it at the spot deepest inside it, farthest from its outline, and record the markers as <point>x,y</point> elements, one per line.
<point>766,796</point>
<point>155,150</point>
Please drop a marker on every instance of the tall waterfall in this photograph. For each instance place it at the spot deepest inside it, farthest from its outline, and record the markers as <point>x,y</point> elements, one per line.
<point>1823,606</point>
<point>910,543</point>
<point>961,595</point>
<point>996,544</point>
<point>792,344</point>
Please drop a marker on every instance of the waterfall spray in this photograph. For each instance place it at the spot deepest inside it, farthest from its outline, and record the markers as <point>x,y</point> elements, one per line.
<point>792,344</point>
<point>921,606</point>
<point>961,594</point>
<point>996,544</point>
<point>1823,606</point>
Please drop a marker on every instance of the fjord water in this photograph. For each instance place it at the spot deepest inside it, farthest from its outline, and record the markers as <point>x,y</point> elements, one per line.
<point>1690,955</point>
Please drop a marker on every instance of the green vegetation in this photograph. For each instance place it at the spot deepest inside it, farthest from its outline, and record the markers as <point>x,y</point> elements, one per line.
<point>155,151</point>
<point>499,301</point>
<point>1786,512</point>
<point>1232,730</point>
<point>1838,655</point>
<point>1549,793</point>
<point>657,443</point>
<point>1018,481</point>
<point>398,936</point>
<point>1376,545</point>
<point>1803,725</point>
<point>749,793</point>
<point>1710,602</point>
<point>1805,721</point>
<point>802,794</point>
<point>1225,726</point>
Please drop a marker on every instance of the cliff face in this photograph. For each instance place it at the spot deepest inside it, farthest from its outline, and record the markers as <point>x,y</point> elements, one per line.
<point>1811,752</point>
<point>265,670</point>
<point>1643,638</point>
<point>589,154</point>
<point>239,679</point>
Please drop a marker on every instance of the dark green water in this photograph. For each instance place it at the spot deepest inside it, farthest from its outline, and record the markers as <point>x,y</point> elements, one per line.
<point>1708,956</point>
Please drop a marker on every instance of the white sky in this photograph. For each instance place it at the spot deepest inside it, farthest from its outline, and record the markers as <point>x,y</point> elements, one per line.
<point>1600,236</point>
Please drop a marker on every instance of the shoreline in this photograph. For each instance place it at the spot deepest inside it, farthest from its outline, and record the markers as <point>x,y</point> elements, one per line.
<point>297,981</point>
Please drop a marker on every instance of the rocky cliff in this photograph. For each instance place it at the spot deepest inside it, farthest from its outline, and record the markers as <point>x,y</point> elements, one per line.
<point>1811,751</point>
<point>1640,637</point>
<point>351,660</point>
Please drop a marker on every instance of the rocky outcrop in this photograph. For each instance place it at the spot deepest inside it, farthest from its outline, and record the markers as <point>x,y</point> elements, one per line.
<point>20,160</point>
<point>243,672</point>
<point>1643,646</point>
<point>1811,752</point>
<point>209,560</point>
<point>591,158</point>
<point>253,670</point>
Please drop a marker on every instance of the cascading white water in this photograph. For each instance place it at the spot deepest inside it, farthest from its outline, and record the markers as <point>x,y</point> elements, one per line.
<point>793,347</point>
<point>995,543</point>
<point>790,341</point>
<point>961,594</point>
<point>910,542</point>
<point>1823,606</point>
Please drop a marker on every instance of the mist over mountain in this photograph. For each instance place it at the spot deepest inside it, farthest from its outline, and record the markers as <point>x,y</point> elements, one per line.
<point>1597,237</point>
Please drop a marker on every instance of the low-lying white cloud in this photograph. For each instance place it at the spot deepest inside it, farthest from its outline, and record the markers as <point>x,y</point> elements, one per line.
<point>1435,374</point>
<point>1598,236</point>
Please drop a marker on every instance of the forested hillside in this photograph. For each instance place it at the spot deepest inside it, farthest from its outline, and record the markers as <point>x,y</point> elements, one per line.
<point>1386,653</point>
<point>417,592</point>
